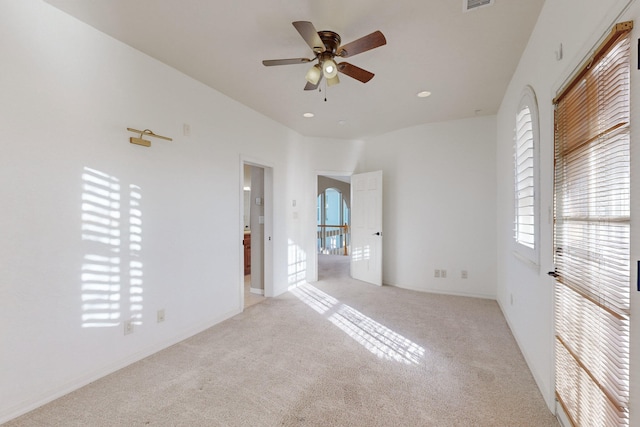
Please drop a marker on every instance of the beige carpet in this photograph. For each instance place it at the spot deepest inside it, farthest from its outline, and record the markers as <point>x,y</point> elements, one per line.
<point>335,353</point>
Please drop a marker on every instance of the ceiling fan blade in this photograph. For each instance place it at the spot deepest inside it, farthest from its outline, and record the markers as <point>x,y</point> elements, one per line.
<point>310,35</point>
<point>271,62</point>
<point>355,72</point>
<point>363,44</point>
<point>311,86</point>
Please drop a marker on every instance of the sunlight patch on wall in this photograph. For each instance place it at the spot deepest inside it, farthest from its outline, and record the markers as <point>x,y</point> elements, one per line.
<point>100,291</point>
<point>297,265</point>
<point>135,248</point>
<point>375,337</point>
<point>105,302</point>
<point>101,209</point>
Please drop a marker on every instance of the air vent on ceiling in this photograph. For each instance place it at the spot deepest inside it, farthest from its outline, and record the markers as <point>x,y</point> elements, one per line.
<point>468,5</point>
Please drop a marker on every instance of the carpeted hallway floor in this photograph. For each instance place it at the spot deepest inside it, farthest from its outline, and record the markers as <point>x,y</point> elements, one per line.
<point>335,353</point>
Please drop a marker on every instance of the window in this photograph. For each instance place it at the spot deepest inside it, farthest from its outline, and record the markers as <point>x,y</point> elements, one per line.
<point>526,177</point>
<point>332,205</point>
<point>333,220</point>
<point>592,237</point>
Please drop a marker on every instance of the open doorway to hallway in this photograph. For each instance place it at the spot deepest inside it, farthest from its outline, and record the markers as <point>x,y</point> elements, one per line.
<point>256,232</point>
<point>333,220</point>
<point>358,232</point>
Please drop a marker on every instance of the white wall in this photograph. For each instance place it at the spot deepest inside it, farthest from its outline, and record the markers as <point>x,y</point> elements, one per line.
<point>439,205</point>
<point>68,93</point>
<point>525,293</point>
<point>316,156</point>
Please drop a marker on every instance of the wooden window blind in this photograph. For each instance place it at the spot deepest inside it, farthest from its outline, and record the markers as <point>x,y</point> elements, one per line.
<point>525,173</point>
<point>592,237</point>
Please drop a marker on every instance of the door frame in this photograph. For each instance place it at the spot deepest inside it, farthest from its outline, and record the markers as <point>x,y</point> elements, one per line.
<point>312,270</point>
<point>268,226</point>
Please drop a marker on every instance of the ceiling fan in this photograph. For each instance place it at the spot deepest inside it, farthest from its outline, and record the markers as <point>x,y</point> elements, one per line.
<point>326,48</point>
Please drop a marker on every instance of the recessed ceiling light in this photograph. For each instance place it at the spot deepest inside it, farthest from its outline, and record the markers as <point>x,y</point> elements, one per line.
<point>342,122</point>
<point>308,115</point>
<point>424,94</point>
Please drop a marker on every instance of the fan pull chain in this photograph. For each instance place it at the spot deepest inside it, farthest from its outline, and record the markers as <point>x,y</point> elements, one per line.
<point>325,90</point>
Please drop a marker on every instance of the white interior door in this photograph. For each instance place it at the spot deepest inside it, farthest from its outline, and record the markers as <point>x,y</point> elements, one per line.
<point>366,227</point>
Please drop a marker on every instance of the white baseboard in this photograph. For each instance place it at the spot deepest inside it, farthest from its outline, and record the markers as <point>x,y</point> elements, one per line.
<point>54,393</point>
<point>549,399</point>
<point>436,291</point>
<point>256,291</point>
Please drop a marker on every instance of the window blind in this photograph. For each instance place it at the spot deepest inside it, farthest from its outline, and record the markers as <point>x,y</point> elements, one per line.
<point>592,237</point>
<point>524,179</point>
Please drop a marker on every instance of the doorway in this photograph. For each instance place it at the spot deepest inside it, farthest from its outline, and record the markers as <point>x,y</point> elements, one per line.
<point>333,215</point>
<point>256,233</point>
<point>364,240</point>
<point>333,221</point>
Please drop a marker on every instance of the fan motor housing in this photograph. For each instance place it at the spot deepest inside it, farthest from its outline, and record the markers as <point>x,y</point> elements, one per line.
<point>330,39</point>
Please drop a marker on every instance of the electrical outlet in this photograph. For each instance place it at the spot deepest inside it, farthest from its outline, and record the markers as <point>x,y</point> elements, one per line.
<point>464,274</point>
<point>436,273</point>
<point>128,327</point>
<point>443,274</point>
<point>161,315</point>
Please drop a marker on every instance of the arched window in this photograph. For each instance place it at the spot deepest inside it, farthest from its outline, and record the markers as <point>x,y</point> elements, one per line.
<point>526,221</point>
<point>333,214</point>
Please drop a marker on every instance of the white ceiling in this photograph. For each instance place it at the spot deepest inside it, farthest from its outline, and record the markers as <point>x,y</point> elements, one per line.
<point>465,59</point>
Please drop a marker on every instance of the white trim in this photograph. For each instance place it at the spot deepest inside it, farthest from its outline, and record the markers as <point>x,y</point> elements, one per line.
<point>442,292</point>
<point>547,394</point>
<point>525,259</point>
<point>256,291</point>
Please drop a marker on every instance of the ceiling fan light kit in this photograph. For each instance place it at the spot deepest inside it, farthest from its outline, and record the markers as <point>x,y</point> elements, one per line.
<point>329,68</point>
<point>326,48</point>
<point>314,74</point>
<point>333,81</point>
